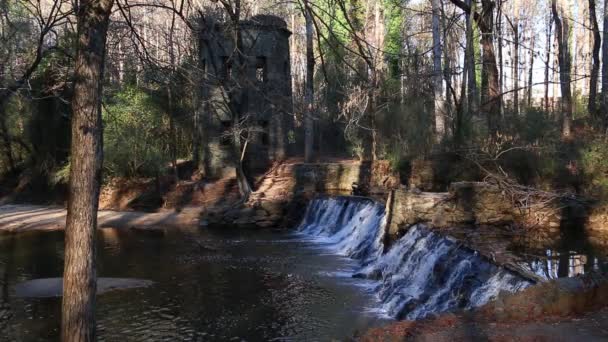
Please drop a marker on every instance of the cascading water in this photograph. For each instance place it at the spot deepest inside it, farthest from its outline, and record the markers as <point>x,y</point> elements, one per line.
<point>422,274</point>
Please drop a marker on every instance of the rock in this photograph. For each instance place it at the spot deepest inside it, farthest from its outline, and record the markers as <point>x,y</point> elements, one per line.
<point>53,287</point>
<point>261,213</point>
<point>265,224</point>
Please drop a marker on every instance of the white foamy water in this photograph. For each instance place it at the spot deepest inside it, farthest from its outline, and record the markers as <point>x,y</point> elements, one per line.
<point>422,274</point>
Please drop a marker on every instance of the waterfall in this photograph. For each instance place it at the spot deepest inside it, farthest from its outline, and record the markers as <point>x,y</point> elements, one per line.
<point>422,274</point>
<point>350,226</point>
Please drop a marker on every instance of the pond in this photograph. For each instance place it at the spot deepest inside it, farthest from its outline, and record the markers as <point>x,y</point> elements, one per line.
<point>206,285</point>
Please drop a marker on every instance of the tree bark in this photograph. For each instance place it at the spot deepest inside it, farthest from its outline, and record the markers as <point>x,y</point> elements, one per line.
<point>547,62</point>
<point>501,84</point>
<point>470,56</point>
<point>562,29</point>
<point>531,70</point>
<point>489,78</point>
<point>79,276</point>
<point>439,101</point>
<point>604,108</point>
<point>515,65</point>
<point>595,68</point>
<point>309,91</point>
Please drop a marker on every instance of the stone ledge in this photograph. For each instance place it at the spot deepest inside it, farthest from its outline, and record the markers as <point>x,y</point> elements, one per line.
<point>469,203</point>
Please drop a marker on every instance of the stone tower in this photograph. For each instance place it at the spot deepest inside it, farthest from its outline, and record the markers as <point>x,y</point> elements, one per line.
<point>265,93</point>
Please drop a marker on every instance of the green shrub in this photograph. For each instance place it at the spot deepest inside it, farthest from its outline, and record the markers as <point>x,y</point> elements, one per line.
<point>594,158</point>
<point>134,138</point>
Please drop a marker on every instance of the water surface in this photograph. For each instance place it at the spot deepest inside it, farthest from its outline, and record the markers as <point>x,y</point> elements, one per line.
<point>208,285</point>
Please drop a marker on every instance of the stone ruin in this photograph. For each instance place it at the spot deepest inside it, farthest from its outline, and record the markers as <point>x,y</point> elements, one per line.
<point>266,93</point>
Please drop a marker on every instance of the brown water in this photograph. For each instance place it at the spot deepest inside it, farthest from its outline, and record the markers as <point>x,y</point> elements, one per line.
<point>208,286</point>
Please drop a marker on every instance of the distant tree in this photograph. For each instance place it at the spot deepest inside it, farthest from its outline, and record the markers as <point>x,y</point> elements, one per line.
<point>604,108</point>
<point>490,89</point>
<point>438,94</point>
<point>309,94</point>
<point>562,30</point>
<point>595,69</point>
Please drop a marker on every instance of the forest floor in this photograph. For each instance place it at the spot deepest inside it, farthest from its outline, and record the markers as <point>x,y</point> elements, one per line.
<point>23,217</point>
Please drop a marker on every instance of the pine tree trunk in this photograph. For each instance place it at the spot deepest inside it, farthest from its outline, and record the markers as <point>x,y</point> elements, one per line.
<point>547,63</point>
<point>516,58</point>
<point>531,71</point>
<point>79,282</point>
<point>500,56</point>
<point>595,69</point>
<point>309,91</point>
<point>470,56</point>
<point>437,73</point>
<point>604,108</point>
<point>489,79</point>
<point>562,29</point>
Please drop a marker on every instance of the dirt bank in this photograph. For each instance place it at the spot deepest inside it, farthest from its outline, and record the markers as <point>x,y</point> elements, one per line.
<point>453,328</point>
<point>566,309</point>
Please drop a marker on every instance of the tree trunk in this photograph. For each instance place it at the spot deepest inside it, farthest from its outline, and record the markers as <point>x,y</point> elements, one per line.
<point>309,91</point>
<point>470,56</point>
<point>79,276</point>
<point>439,102</point>
<point>172,135</point>
<point>595,69</point>
<point>547,63</point>
<point>531,70</point>
<point>515,57</point>
<point>501,80</point>
<point>237,99</point>
<point>489,79</point>
<point>604,108</point>
<point>562,29</point>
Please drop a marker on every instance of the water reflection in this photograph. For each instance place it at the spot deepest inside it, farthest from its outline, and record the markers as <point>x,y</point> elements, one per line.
<point>208,285</point>
<point>555,264</point>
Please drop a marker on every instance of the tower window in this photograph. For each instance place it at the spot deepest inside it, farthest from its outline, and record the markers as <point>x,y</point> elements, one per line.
<point>226,68</point>
<point>260,69</point>
<point>264,139</point>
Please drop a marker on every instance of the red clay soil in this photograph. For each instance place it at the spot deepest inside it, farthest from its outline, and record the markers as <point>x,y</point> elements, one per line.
<point>148,195</point>
<point>574,309</point>
<point>453,328</point>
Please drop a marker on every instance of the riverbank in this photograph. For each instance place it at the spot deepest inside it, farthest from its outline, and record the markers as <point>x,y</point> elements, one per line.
<point>452,328</point>
<point>16,218</point>
<point>566,309</point>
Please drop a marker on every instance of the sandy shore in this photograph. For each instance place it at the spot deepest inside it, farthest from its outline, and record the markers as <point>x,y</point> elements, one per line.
<point>23,217</point>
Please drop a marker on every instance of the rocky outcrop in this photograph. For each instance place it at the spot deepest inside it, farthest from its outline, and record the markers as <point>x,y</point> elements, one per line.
<point>263,214</point>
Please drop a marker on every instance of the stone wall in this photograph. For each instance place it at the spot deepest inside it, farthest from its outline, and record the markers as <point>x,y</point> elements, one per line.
<point>321,177</point>
<point>466,203</point>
